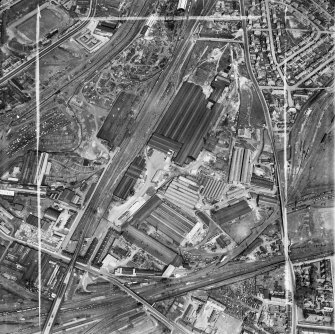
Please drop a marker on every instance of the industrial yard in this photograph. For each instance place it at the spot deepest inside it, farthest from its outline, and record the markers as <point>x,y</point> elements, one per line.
<point>166,166</point>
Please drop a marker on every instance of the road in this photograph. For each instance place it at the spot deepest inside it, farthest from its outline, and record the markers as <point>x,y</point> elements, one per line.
<point>282,184</point>
<point>51,47</point>
<point>213,39</point>
<point>148,306</point>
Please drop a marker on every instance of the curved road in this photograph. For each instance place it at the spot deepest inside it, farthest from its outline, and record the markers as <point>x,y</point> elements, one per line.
<point>281,185</point>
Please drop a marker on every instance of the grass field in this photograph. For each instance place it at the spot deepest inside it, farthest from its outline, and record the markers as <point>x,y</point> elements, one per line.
<point>227,324</point>
<point>48,21</point>
<point>257,118</point>
<point>250,111</point>
<point>22,8</point>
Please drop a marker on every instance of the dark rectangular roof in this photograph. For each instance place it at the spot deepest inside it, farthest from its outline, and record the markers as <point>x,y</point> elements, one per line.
<point>51,214</point>
<point>164,144</point>
<point>194,139</point>
<point>267,199</point>
<point>127,271</point>
<point>149,244</point>
<point>215,95</point>
<point>107,26</point>
<point>261,182</point>
<point>125,186</point>
<point>220,82</point>
<point>186,121</point>
<point>229,213</point>
<point>32,220</point>
<point>128,181</point>
<point>66,195</point>
<point>147,208</point>
<point>110,24</point>
<point>118,120</point>
<point>136,168</point>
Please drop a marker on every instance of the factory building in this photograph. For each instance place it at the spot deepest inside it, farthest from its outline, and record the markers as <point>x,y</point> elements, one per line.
<point>184,125</point>
<point>126,271</point>
<point>203,217</point>
<point>212,189</point>
<point>128,181</point>
<point>66,196</point>
<point>107,26</point>
<point>231,212</point>
<point>51,214</point>
<point>83,5</point>
<point>163,144</point>
<point>168,219</point>
<point>218,84</point>
<point>150,245</point>
<point>265,200</point>
<point>235,192</point>
<point>183,192</point>
<point>240,165</point>
<point>261,183</point>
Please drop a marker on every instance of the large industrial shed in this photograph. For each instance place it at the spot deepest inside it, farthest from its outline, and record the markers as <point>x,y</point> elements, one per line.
<point>164,144</point>
<point>261,182</point>
<point>165,217</point>
<point>232,212</point>
<point>119,122</point>
<point>151,245</point>
<point>127,183</point>
<point>183,192</point>
<point>186,122</point>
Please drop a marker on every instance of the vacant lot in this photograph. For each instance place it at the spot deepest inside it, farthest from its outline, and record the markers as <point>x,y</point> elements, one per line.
<point>48,21</point>
<point>241,228</point>
<point>251,111</point>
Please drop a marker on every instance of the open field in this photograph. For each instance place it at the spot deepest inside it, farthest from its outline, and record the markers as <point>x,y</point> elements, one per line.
<point>240,229</point>
<point>250,111</point>
<point>48,21</point>
<point>22,8</point>
<point>311,224</point>
<point>228,324</point>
